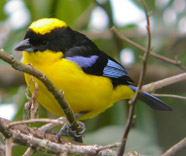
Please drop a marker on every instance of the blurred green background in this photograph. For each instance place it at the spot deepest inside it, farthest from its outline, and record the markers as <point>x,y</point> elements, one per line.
<point>153,132</point>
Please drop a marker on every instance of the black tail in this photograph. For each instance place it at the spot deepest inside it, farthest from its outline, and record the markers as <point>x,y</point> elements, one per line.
<point>152,101</point>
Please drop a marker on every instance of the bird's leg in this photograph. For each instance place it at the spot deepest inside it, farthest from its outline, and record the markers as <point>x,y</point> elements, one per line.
<point>67,131</point>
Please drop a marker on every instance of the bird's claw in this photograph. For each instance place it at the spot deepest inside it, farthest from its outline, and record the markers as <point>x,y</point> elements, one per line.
<point>67,131</point>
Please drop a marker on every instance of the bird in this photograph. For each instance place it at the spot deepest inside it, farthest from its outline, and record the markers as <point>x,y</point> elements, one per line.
<point>91,80</point>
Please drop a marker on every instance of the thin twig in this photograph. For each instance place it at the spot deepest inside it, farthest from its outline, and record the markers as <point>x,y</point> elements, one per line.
<point>34,106</point>
<point>180,146</point>
<point>8,142</point>
<point>60,121</point>
<point>3,148</point>
<point>109,146</point>
<point>27,105</point>
<point>63,154</point>
<point>134,99</point>
<point>170,95</point>
<point>29,151</point>
<point>151,87</point>
<point>49,85</point>
<point>52,125</point>
<point>48,126</point>
<point>160,57</point>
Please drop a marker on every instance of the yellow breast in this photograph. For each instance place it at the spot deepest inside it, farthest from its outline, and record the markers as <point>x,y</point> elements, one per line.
<point>84,92</point>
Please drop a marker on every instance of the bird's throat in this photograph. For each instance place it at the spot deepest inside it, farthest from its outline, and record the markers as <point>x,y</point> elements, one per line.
<point>41,58</point>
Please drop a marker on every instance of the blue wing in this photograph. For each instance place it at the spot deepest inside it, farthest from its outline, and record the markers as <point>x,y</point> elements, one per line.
<point>114,70</point>
<point>95,62</point>
<point>110,69</point>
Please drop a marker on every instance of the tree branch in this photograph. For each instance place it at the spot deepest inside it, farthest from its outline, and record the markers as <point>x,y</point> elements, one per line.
<point>3,148</point>
<point>59,96</point>
<point>170,95</point>
<point>140,83</point>
<point>180,146</point>
<point>60,121</point>
<point>28,151</point>
<point>160,57</point>
<point>165,82</point>
<point>38,140</point>
<point>8,142</point>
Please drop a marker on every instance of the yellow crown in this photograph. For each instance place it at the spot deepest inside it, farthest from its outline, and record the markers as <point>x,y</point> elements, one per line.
<point>46,25</point>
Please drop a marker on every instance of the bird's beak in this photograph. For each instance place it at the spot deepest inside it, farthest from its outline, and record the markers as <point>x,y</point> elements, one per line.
<point>24,46</point>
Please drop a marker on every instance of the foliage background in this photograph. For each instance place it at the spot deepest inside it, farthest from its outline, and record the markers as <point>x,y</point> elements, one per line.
<point>153,132</point>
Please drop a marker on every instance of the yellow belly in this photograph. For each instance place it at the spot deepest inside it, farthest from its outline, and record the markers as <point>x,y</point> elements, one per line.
<point>84,92</point>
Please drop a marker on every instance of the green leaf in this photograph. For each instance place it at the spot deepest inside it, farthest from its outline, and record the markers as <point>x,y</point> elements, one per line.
<point>70,10</point>
<point>150,4</point>
<point>2,14</point>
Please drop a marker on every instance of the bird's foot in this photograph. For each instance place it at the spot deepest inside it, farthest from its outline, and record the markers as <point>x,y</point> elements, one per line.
<point>67,131</point>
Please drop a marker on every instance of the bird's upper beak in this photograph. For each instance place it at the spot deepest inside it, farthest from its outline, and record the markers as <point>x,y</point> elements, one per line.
<point>24,46</point>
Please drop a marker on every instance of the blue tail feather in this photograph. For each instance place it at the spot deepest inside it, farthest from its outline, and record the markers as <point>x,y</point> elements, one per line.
<point>152,101</point>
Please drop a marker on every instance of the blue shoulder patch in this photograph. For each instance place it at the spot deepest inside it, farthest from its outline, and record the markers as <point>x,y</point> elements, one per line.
<point>114,70</point>
<point>83,62</point>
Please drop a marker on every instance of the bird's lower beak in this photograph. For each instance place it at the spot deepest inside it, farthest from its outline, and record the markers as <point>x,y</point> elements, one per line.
<point>24,46</point>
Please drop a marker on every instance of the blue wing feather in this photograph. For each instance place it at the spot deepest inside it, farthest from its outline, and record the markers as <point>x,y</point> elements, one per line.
<point>114,70</point>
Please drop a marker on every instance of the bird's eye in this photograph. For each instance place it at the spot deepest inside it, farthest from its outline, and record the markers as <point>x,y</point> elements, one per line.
<point>44,42</point>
